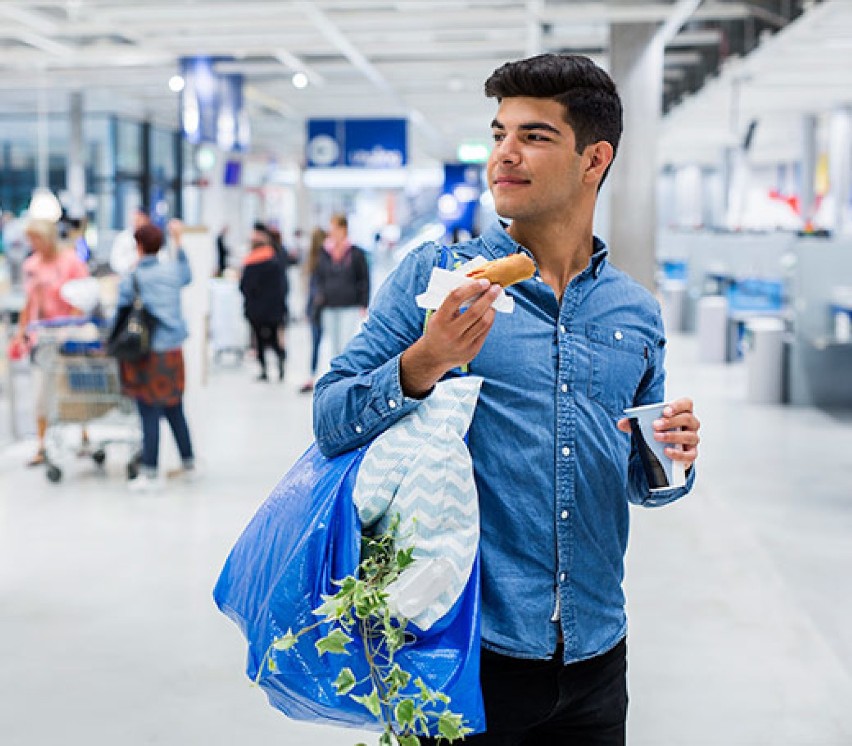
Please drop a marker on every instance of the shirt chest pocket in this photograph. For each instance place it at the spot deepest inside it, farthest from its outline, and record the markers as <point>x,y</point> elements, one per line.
<point>619,359</point>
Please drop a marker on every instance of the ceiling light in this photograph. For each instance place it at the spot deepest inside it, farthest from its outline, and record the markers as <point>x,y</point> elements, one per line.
<point>300,80</point>
<point>176,83</point>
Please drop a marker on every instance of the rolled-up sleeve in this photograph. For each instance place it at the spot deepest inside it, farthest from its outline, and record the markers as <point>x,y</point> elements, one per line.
<point>361,396</point>
<point>651,391</point>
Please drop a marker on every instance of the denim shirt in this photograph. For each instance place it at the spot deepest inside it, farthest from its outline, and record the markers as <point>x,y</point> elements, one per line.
<point>160,283</point>
<point>553,472</point>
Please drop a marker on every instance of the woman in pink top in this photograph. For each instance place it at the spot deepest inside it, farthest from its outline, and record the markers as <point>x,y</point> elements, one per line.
<point>45,271</point>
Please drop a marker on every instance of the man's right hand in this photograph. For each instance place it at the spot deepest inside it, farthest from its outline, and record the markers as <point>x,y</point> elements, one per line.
<point>452,337</point>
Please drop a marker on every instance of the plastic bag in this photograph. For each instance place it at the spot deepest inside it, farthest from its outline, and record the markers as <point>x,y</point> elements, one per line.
<point>305,535</point>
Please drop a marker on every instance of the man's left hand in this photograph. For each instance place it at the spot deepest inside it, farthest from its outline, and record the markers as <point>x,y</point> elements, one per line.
<point>677,428</point>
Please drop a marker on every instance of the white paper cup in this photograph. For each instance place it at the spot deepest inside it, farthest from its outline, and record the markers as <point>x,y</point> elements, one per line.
<point>662,472</point>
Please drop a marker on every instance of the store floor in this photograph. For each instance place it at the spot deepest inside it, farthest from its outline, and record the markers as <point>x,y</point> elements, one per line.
<point>739,596</point>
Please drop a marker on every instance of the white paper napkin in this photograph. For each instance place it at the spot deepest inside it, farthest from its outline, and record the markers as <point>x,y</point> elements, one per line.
<point>443,281</point>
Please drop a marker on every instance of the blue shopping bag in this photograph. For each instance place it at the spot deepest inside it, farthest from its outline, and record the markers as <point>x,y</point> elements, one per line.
<point>303,537</point>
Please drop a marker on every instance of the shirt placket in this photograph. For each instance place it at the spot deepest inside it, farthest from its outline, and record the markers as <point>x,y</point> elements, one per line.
<point>565,498</point>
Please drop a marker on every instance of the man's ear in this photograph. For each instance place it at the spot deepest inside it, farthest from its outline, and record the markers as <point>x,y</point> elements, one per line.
<point>598,157</point>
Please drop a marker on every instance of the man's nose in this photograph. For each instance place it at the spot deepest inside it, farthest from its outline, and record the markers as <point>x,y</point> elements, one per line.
<point>506,150</point>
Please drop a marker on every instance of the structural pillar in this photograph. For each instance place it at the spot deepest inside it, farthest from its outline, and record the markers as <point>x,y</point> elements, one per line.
<point>75,170</point>
<point>840,166</point>
<point>636,65</point>
<point>808,169</point>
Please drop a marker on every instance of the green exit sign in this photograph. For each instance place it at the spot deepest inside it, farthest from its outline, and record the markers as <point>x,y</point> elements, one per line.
<point>472,152</point>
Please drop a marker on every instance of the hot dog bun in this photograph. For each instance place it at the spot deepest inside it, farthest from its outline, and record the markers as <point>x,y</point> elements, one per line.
<point>506,271</point>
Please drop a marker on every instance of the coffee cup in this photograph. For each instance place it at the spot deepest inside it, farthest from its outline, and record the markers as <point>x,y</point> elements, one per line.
<point>663,473</point>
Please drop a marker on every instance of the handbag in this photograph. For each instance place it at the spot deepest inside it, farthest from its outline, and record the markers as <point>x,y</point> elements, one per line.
<point>130,338</point>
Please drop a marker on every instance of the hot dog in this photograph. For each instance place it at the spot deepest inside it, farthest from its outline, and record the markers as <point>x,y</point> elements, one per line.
<point>506,271</point>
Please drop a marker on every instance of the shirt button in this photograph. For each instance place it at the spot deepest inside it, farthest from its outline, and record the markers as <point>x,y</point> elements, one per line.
<point>564,515</point>
<point>358,428</point>
<point>564,388</point>
<point>619,336</point>
<point>392,404</point>
<point>563,576</point>
<point>562,328</point>
<point>566,451</point>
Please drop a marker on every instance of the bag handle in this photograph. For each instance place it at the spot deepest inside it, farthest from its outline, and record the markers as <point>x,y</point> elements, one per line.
<point>137,293</point>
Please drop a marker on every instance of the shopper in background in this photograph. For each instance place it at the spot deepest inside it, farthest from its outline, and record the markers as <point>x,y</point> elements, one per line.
<point>342,285</point>
<point>265,301</point>
<point>313,307</point>
<point>157,381</point>
<point>555,466</point>
<point>123,255</point>
<point>221,252</point>
<point>45,271</point>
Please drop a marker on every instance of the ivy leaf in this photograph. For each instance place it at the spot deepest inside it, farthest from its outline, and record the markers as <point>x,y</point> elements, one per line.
<point>397,677</point>
<point>450,725</point>
<point>404,712</point>
<point>332,607</point>
<point>334,642</point>
<point>408,740</point>
<point>425,691</point>
<point>286,641</point>
<point>345,681</point>
<point>370,701</point>
<point>385,739</point>
<point>404,558</point>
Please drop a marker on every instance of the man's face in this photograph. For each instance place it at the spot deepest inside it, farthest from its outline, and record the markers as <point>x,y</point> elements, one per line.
<point>534,172</point>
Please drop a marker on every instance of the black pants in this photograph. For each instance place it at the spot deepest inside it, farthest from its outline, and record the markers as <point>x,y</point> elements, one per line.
<point>266,335</point>
<point>150,414</point>
<point>546,703</point>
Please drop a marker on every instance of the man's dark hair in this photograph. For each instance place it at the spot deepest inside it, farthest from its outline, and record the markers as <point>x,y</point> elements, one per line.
<point>591,101</point>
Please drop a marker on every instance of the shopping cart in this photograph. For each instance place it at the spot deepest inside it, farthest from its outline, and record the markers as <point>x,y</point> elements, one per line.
<point>82,393</point>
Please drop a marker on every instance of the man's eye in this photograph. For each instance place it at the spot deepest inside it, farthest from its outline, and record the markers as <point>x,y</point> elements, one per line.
<point>498,136</point>
<point>537,138</point>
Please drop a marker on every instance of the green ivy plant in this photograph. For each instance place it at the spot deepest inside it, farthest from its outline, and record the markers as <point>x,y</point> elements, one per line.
<point>406,707</point>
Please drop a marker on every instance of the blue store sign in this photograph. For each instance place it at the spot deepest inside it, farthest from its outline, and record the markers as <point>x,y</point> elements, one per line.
<point>357,143</point>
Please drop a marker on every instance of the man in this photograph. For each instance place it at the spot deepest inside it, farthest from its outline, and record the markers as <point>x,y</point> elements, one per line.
<point>124,255</point>
<point>555,466</point>
<point>342,285</point>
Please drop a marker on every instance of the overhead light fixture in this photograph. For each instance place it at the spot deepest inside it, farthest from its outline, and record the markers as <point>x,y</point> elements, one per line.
<point>176,83</point>
<point>300,80</point>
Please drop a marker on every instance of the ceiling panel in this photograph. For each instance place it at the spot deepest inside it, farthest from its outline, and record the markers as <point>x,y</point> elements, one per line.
<point>428,58</point>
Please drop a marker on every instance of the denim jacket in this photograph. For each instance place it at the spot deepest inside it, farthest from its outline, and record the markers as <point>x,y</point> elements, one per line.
<point>160,284</point>
<point>553,472</point>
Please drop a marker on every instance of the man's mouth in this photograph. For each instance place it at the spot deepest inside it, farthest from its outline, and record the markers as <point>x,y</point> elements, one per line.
<point>510,181</point>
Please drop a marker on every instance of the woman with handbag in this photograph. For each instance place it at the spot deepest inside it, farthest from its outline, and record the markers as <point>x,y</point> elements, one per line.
<point>156,381</point>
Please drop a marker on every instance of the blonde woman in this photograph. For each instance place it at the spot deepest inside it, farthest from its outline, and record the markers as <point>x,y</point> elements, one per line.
<point>45,271</point>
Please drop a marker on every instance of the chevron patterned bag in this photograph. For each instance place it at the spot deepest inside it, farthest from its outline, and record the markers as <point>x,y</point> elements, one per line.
<point>420,470</point>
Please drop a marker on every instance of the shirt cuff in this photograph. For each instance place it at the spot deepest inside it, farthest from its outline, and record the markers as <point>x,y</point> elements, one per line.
<point>664,497</point>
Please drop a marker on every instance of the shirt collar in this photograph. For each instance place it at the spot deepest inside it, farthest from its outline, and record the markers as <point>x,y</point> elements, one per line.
<point>500,243</point>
